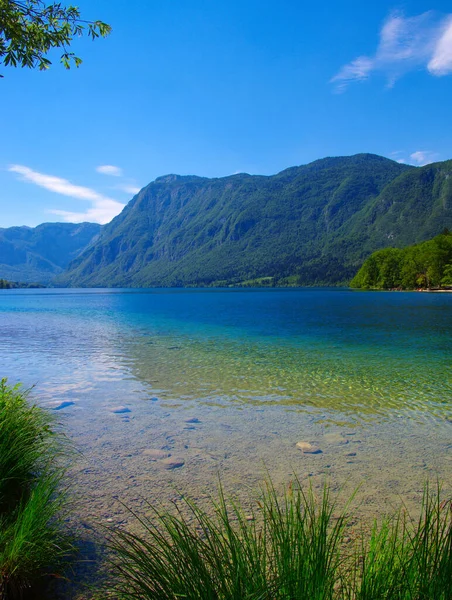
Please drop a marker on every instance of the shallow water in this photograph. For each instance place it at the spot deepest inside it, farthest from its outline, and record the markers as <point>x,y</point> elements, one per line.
<point>366,377</point>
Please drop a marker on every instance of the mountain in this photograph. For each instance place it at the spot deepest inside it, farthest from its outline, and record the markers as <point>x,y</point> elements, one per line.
<point>37,254</point>
<point>413,208</point>
<point>310,224</point>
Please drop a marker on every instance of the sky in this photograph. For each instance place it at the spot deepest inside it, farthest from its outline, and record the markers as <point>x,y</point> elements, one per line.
<point>217,87</point>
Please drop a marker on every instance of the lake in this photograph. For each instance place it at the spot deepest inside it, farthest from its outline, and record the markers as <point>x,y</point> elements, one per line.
<point>165,391</point>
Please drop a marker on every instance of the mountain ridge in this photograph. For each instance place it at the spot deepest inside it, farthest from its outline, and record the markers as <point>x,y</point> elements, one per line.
<point>189,230</point>
<point>306,225</point>
<point>37,254</point>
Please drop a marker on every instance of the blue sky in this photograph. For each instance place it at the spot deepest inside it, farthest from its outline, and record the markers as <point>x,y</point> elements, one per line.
<point>213,88</point>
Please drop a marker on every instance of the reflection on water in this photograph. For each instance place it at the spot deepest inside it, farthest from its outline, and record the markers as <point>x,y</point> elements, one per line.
<point>229,381</point>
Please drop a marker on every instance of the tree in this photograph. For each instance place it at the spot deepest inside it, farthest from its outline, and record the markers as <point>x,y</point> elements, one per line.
<point>447,275</point>
<point>29,29</point>
<point>424,265</point>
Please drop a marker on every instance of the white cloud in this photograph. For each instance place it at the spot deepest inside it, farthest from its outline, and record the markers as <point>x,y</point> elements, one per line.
<point>423,157</point>
<point>406,43</point>
<point>109,170</point>
<point>99,214</point>
<point>419,158</point>
<point>358,70</point>
<point>129,188</point>
<point>103,208</point>
<point>441,61</point>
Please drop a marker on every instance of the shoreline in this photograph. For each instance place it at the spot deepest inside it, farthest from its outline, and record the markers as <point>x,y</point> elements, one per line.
<point>442,291</point>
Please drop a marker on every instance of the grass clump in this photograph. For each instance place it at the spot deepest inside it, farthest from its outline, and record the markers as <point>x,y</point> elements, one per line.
<point>287,548</point>
<point>407,559</point>
<point>291,548</point>
<point>32,542</point>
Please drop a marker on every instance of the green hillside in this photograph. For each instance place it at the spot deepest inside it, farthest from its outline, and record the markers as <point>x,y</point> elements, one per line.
<point>425,265</point>
<point>302,224</point>
<point>37,254</point>
<point>414,207</point>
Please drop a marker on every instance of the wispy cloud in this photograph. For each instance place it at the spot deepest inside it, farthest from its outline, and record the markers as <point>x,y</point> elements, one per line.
<point>103,209</point>
<point>405,44</point>
<point>441,61</point>
<point>109,170</point>
<point>358,70</point>
<point>127,185</point>
<point>128,188</point>
<point>423,157</point>
<point>419,158</point>
<point>102,213</point>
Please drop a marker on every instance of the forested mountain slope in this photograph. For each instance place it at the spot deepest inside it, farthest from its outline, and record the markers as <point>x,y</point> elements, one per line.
<point>315,224</point>
<point>414,207</point>
<point>37,254</point>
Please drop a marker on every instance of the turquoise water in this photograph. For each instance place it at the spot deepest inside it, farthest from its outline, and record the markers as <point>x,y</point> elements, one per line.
<point>365,376</point>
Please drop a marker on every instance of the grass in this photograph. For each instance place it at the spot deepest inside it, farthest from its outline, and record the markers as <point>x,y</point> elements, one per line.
<point>407,559</point>
<point>32,542</point>
<point>292,547</point>
<point>287,548</point>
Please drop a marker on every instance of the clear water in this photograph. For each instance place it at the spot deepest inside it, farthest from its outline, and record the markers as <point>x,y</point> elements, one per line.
<point>367,377</point>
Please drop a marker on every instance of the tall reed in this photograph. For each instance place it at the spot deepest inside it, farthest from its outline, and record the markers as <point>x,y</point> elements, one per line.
<point>292,547</point>
<point>407,559</point>
<point>287,548</point>
<point>31,495</point>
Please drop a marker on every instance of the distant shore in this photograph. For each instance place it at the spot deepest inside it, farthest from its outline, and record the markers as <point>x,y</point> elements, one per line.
<point>437,291</point>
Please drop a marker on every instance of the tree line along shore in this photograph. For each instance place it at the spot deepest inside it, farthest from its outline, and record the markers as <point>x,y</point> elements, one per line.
<point>427,265</point>
<point>11,285</point>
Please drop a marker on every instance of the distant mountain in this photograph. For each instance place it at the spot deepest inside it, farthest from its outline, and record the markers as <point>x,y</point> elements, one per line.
<point>313,224</point>
<point>37,254</point>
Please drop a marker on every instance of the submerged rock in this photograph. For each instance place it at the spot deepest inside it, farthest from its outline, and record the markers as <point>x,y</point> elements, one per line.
<point>335,438</point>
<point>59,404</point>
<point>171,463</point>
<point>308,448</point>
<point>120,410</point>
<point>155,453</point>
